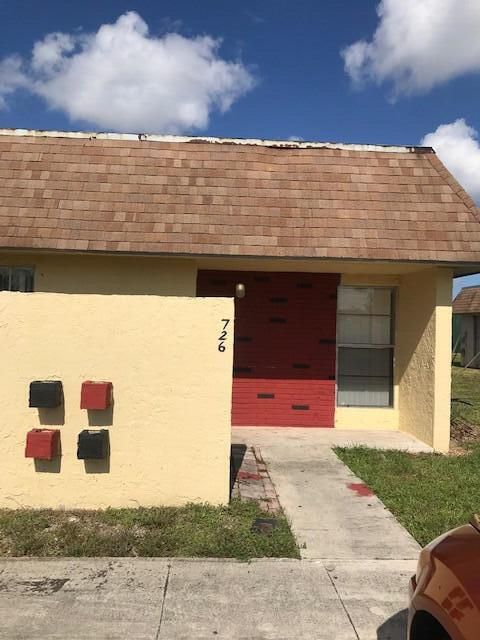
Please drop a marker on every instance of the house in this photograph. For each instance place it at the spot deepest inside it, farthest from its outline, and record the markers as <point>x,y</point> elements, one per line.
<point>466,307</point>
<point>339,259</point>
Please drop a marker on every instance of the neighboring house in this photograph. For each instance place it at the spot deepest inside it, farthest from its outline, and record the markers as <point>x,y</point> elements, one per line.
<point>340,259</point>
<point>466,307</point>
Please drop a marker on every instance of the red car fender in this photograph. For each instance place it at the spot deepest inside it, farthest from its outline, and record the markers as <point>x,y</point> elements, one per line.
<point>423,603</point>
<point>449,588</point>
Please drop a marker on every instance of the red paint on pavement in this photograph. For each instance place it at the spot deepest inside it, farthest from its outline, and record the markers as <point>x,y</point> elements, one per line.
<point>246,475</point>
<point>360,489</point>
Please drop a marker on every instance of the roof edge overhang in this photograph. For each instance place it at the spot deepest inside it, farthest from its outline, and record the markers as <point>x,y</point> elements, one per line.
<point>459,268</point>
<point>148,137</point>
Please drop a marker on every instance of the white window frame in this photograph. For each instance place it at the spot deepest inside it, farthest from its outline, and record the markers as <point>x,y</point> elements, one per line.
<point>391,346</point>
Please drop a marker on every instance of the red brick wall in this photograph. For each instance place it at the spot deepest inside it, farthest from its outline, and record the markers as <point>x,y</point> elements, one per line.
<point>284,358</point>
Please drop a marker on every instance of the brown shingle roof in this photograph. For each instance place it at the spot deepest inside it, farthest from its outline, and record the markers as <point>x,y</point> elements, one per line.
<point>467,301</point>
<point>115,193</point>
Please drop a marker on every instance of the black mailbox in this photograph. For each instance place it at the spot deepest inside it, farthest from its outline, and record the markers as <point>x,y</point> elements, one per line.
<point>92,444</point>
<point>45,394</point>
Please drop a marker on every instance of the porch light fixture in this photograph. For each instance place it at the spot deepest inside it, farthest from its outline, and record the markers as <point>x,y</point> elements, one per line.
<point>240,290</point>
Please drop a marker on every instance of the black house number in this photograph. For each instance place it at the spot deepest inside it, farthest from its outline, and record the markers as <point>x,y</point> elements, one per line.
<point>223,336</point>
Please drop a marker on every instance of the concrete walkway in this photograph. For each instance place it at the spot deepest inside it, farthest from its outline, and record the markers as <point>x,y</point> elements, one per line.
<point>367,554</point>
<point>157,599</point>
<point>321,497</point>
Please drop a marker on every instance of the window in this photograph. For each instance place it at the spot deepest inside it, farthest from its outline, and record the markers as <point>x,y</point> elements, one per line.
<point>365,347</point>
<point>16,279</point>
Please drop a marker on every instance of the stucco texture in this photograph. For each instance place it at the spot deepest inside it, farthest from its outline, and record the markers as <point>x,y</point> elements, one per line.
<point>170,422</point>
<point>423,355</point>
<point>125,275</point>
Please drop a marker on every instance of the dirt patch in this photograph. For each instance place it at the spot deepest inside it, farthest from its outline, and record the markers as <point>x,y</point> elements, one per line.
<point>44,586</point>
<point>462,434</point>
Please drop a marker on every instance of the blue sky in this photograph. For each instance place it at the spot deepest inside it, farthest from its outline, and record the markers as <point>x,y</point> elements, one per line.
<point>279,66</point>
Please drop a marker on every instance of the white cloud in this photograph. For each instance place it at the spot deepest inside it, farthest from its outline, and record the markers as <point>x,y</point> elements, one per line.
<point>123,78</point>
<point>418,44</point>
<point>458,147</point>
<point>48,54</point>
<point>11,77</point>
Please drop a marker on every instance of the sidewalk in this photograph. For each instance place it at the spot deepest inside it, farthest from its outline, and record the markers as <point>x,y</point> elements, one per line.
<point>159,599</point>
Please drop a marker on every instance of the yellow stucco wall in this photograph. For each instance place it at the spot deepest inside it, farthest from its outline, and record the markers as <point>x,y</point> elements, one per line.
<point>423,355</point>
<point>129,274</point>
<point>354,268</point>
<point>370,418</point>
<point>422,366</point>
<point>170,424</point>
<point>443,355</point>
<point>132,275</point>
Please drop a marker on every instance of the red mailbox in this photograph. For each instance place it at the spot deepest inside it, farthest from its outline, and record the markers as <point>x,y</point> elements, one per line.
<point>96,395</point>
<point>42,444</point>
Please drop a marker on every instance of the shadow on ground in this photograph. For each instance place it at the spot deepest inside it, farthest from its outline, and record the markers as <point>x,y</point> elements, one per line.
<point>237,453</point>
<point>395,628</point>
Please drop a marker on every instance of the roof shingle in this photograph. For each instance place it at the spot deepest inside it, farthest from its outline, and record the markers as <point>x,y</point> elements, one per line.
<point>201,197</point>
<point>467,301</point>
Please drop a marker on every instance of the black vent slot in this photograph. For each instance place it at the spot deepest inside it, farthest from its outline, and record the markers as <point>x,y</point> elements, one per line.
<point>327,341</point>
<point>243,339</point>
<point>300,407</point>
<point>278,320</point>
<point>219,283</point>
<point>265,396</point>
<point>300,365</point>
<point>261,279</point>
<point>304,285</point>
<point>279,300</point>
<point>242,369</point>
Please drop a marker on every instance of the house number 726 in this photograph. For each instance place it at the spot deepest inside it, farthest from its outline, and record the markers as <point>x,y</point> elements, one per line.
<point>223,336</point>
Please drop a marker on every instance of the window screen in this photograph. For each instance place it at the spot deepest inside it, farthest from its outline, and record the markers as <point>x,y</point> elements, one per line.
<point>16,279</point>
<point>365,347</point>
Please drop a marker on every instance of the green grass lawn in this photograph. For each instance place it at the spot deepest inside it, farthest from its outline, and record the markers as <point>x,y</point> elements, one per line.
<point>193,531</point>
<point>428,493</point>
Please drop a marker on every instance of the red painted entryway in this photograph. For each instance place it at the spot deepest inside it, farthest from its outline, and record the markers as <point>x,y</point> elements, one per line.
<point>284,354</point>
